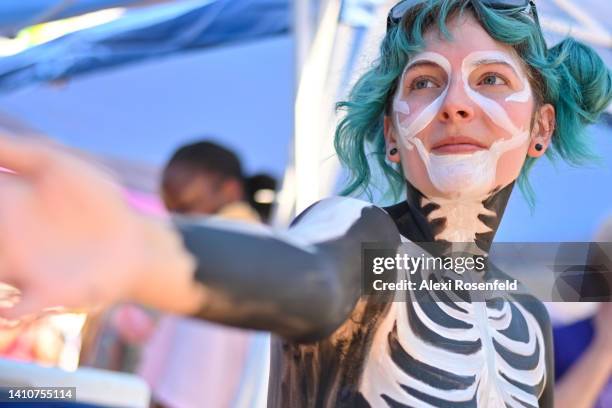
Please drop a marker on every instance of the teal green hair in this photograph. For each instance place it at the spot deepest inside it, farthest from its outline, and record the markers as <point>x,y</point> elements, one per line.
<point>570,76</point>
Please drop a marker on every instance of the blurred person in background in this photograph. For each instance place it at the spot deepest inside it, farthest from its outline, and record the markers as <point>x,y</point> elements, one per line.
<point>187,363</point>
<point>190,363</point>
<point>204,178</point>
<point>261,193</point>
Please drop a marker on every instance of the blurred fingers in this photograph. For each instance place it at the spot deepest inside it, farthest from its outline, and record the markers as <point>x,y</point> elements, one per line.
<point>27,307</point>
<point>23,157</point>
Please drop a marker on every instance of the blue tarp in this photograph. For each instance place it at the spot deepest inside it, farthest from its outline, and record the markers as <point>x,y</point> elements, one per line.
<point>17,14</point>
<point>158,31</point>
<point>144,33</point>
<point>359,13</point>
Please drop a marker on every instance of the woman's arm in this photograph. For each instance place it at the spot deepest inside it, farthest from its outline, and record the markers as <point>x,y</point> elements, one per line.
<point>302,283</point>
<point>68,239</point>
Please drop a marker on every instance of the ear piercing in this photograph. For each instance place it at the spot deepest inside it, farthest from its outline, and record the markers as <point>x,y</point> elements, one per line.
<point>393,151</point>
<point>539,147</point>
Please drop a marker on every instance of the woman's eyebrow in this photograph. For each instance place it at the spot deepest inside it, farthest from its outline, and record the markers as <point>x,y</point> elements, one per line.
<point>422,63</point>
<point>489,61</point>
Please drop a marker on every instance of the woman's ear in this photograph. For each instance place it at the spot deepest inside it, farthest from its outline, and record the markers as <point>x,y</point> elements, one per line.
<point>391,145</point>
<point>542,131</point>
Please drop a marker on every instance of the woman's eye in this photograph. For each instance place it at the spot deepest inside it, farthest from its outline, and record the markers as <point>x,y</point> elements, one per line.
<point>422,83</point>
<point>493,79</point>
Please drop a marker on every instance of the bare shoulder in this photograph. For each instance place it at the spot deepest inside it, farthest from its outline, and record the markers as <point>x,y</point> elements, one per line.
<point>341,209</point>
<point>337,217</point>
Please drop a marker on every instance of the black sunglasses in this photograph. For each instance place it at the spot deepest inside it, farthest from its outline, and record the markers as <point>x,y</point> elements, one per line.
<point>399,10</point>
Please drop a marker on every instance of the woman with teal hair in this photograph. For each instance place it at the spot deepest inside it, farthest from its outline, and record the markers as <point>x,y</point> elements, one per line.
<point>464,97</point>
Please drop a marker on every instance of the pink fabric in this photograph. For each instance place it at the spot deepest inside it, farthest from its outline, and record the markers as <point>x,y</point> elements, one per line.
<point>145,203</point>
<point>21,349</point>
<point>155,352</point>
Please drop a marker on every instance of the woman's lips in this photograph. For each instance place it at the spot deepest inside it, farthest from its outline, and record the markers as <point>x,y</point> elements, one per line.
<point>457,145</point>
<point>457,148</point>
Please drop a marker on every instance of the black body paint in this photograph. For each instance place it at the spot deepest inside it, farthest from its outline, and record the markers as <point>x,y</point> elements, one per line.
<point>308,294</point>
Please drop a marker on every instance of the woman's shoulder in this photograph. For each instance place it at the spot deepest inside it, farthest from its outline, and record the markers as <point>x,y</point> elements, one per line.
<point>339,208</point>
<point>343,215</point>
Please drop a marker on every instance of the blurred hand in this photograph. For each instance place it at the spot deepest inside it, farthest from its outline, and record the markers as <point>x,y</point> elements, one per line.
<point>66,235</point>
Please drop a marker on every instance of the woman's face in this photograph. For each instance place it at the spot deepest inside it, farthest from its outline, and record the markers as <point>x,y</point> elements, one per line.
<point>462,114</point>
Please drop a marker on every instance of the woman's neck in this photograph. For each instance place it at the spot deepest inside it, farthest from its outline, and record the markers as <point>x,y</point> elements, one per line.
<point>461,220</point>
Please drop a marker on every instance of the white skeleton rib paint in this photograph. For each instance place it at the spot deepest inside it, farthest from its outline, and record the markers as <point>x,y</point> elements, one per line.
<point>497,381</point>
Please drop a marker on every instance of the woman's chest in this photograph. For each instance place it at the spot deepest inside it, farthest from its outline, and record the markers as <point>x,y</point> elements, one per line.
<point>434,354</point>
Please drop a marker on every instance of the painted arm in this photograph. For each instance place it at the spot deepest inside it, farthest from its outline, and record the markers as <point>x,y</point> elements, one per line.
<point>69,239</point>
<point>302,283</point>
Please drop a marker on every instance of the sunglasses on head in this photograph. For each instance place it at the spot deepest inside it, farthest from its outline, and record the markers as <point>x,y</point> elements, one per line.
<point>399,10</point>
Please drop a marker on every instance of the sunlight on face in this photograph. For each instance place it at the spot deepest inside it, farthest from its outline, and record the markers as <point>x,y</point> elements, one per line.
<point>462,113</point>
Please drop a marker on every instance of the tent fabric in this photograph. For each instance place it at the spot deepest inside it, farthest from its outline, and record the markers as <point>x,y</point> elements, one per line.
<point>15,15</point>
<point>145,33</point>
<point>169,28</point>
<point>360,13</point>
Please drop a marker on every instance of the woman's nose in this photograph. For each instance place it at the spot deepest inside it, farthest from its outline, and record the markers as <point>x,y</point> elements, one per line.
<point>457,105</point>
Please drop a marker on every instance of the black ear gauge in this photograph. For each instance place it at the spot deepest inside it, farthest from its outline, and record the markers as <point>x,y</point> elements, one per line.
<point>539,147</point>
<point>393,151</point>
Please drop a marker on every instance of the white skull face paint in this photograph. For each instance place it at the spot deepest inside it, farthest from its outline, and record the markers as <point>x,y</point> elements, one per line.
<point>408,127</point>
<point>466,174</point>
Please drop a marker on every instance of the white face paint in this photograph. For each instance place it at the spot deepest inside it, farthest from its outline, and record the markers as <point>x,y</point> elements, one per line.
<point>407,127</point>
<point>470,175</point>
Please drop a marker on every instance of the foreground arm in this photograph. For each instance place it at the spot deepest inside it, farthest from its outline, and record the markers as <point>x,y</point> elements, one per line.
<point>67,238</point>
<point>302,283</point>
<point>73,242</point>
